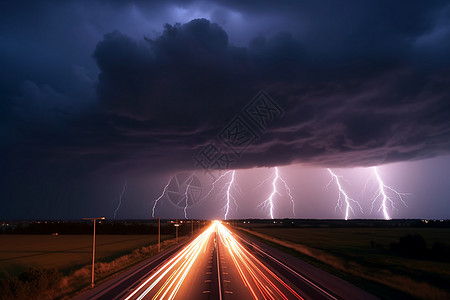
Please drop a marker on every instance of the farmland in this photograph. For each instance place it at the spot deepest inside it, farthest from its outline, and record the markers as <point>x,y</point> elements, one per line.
<point>363,255</point>
<point>64,252</point>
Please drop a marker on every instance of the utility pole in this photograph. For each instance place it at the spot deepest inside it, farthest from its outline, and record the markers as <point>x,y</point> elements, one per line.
<point>93,248</point>
<point>159,235</point>
<point>176,230</point>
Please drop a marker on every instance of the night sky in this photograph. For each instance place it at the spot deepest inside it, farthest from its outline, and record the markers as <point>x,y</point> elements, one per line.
<point>100,94</point>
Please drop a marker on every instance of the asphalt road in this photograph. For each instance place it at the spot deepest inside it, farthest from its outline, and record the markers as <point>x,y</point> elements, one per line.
<point>221,264</point>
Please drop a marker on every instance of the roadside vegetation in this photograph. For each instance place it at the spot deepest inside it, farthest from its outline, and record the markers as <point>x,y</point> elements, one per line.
<point>45,283</point>
<point>64,252</point>
<point>389,262</point>
<point>38,266</point>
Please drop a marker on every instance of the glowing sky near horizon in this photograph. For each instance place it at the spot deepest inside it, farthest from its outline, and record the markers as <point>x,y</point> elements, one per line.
<point>313,200</point>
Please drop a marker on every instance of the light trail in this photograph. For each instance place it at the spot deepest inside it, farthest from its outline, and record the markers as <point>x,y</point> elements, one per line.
<point>120,198</point>
<point>347,199</point>
<point>260,281</point>
<point>269,202</point>
<point>186,195</point>
<point>187,256</point>
<point>381,191</point>
<point>162,195</point>
<point>228,194</point>
<point>253,273</point>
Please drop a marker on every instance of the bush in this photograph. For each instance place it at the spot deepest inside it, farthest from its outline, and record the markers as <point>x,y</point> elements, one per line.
<point>440,251</point>
<point>13,288</point>
<point>34,283</point>
<point>40,279</point>
<point>410,245</point>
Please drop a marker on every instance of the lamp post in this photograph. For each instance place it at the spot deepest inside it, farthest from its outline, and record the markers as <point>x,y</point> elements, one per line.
<point>176,231</point>
<point>159,235</point>
<point>93,248</point>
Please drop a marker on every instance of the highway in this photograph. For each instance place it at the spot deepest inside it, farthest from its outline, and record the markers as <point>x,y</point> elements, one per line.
<point>217,264</point>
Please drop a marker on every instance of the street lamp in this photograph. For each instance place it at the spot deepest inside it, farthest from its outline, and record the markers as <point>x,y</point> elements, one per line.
<point>176,231</point>
<point>93,248</point>
<point>159,235</point>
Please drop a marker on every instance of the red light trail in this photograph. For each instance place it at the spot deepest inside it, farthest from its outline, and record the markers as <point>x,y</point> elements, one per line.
<point>257,278</point>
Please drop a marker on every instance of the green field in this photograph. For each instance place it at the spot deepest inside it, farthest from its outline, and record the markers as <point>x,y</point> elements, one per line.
<point>363,254</point>
<point>64,252</point>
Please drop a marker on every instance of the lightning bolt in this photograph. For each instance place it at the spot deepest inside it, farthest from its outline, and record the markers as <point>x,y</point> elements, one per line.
<point>263,182</point>
<point>162,195</point>
<point>382,192</point>
<point>120,199</point>
<point>186,195</point>
<point>288,190</point>
<point>226,191</point>
<point>274,184</point>
<point>230,183</point>
<point>347,199</point>
<point>269,202</point>
<point>214,183</point>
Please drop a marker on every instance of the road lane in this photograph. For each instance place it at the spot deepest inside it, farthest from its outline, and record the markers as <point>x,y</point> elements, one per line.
<point>218,264</point>
<point>117,287</point>
<point>201,283</point>
<point>313,282</point>
<point>191,274</point>
<point>260,282</point>
<point>165,282</point>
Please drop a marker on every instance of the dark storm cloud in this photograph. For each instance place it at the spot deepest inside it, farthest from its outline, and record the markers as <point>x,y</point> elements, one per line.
<point>96,92</point>
<point>377,102</point>
<point>360,82</point>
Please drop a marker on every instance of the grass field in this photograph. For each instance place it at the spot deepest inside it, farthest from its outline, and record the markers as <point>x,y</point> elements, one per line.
<point>363,253</point>
<point>64,252</point>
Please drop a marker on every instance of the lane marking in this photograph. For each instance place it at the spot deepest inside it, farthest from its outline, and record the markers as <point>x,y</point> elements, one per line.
<point>162,258</point>
<point>289,269</point>
<point>218,268</point>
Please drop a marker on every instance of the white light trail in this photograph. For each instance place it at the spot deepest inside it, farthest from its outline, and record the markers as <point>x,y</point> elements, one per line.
<point>256,276</point>
<point>347,199</point>
<point>382,192</point>
<point>185,258</point>
<point>167,279</point>
<point>120,199</point>
<point>162,195</point>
